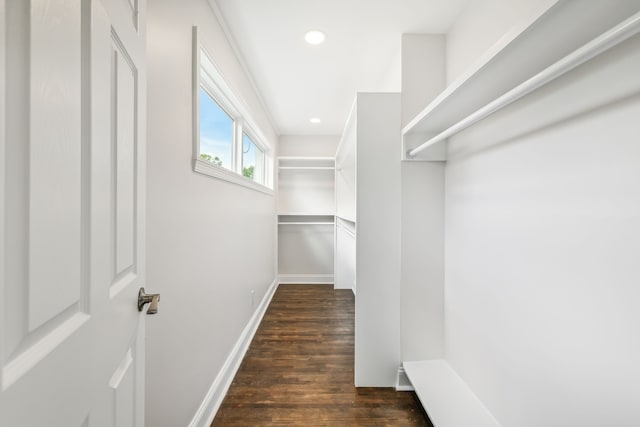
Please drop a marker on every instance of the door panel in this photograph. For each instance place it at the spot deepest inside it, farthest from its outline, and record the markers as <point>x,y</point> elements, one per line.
<point>45,207</point>
<point>72,221</point>
<point>123,384</point>
<point>125,152</point>
<point>54,156</point>
<point>124,129</point>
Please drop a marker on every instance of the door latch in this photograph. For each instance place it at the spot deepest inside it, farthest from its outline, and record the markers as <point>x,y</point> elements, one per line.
<point>144,298</point>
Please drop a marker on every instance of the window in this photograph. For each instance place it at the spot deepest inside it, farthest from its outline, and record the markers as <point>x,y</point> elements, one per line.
<point>227,143</point>
<point>252,160</point>
<point>216,132</point>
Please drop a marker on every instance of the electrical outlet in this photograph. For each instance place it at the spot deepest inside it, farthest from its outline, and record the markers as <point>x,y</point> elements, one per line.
<point>253,298</point>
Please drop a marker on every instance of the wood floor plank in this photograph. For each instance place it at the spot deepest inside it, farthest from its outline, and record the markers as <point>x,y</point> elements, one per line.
<point>298,370</point>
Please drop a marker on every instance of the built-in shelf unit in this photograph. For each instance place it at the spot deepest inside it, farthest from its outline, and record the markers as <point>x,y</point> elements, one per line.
<point>306,219</point>
<point>522,61</point>
<point>367,233</point>
<point>526,58</point>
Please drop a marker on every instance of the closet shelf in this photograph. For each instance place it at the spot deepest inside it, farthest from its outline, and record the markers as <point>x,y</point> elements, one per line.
<point>304,223</point>
<point>315,219</point>
<point>446,398</point>
<point>306,163</point>
<point>306,158</point>
<point>306,168</point>
<point>521,54</point>
<point>305,214</point>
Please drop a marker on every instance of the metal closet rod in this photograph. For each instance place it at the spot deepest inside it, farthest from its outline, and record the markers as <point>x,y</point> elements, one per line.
<point>595,47</point>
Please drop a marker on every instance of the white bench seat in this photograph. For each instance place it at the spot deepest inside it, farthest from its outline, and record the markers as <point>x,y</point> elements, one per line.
<point>446,398</point>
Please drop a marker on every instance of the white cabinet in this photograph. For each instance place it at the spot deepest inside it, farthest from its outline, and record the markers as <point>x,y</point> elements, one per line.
<point>345,263</point>
<point>368,200</point>
<point>305,219</point>
<point>346,172</point>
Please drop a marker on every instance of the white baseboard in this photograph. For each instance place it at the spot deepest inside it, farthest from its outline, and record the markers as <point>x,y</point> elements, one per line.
<point>218,390</point>
<point>403,383</point>
<point>306,279</point>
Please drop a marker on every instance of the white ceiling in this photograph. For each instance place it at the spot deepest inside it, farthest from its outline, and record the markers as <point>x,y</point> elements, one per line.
<point>361,53</point>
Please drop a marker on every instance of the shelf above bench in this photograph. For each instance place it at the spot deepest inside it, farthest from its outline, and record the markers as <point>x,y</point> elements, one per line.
<point>446,398</point>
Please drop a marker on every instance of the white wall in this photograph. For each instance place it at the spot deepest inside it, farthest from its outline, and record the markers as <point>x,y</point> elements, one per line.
<point>423,72</point>
<point>308,145</point>
<point>483,23</point>
<point>345,260</point>
<point>422,279</point>
<point>422,192</point>
<point>210,242</point>
<point>542,241</point>
<point>306,252</point>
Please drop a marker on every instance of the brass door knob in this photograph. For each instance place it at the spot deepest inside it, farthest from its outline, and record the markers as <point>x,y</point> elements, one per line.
<point>144,298</point>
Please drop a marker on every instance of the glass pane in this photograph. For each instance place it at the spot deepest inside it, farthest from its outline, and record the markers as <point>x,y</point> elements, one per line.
<point>252,160</point>
<point>216,132</point>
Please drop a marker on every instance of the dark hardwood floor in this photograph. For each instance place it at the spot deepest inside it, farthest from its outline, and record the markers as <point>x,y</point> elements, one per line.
<point>299,369</point>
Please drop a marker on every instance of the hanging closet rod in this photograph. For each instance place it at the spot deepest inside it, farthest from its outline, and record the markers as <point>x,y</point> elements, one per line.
<point>595,47</point>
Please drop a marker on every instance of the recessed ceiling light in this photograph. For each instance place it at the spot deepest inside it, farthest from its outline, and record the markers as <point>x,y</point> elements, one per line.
<point>314,120</point>
<point>314,37</point>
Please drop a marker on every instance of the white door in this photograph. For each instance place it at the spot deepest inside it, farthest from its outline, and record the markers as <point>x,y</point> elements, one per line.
<point>72,121</point>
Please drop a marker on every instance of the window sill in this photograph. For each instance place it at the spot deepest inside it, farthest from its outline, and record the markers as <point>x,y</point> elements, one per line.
<point>206,168</point>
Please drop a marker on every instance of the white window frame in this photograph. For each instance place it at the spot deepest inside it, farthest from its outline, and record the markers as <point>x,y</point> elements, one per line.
<point>207,76</point>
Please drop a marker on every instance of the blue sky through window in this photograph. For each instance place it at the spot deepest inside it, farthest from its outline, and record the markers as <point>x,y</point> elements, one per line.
<point>216,130</point>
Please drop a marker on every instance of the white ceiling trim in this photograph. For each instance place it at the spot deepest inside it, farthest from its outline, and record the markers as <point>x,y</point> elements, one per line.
<point>236,51</point>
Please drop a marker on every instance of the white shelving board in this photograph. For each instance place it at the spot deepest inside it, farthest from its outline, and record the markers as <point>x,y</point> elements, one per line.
<point>524,51</point>
<point>304,223</point>
<point>310,163</point>
<point>308,168</point>
<point>306,220</point>
<point>345,177</point>
<point>304,214</point>
<point>448,400</point>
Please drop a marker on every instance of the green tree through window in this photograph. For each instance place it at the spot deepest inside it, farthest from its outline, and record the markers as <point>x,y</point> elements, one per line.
<point>215,160</point>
